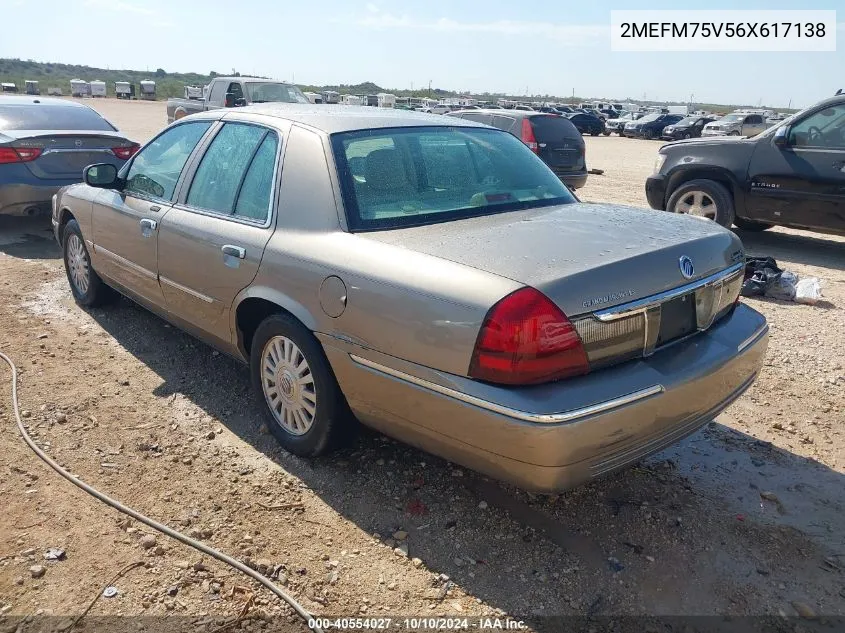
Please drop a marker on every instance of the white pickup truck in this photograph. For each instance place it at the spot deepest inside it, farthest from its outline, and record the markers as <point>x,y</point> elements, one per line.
<point>233,92</point>
<point>736,124</point>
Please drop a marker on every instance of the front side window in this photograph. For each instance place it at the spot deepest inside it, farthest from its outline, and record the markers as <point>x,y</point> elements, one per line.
<point>399,177</point>
<point>227,166</point>
<point>155,170</point>
<point>825,128</point>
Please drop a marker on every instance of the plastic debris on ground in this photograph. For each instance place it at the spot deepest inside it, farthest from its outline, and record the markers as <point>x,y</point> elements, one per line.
<point>763,278</point>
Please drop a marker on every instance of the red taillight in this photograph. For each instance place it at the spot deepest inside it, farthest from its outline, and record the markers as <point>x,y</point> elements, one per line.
<point>528,136</point>
<point>18,155</point>
<point>526,339</point>
<point>125,153</point>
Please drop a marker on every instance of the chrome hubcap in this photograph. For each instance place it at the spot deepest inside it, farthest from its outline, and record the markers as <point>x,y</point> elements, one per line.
<point>78,264</point>
<point>288,385</point>
<point>697,203</point>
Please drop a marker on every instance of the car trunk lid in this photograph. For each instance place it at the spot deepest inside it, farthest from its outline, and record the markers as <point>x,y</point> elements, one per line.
<point>584,257</point>
<point>65,154</point>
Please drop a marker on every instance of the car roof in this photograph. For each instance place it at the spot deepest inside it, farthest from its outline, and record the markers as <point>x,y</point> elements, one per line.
<point>253,79</point>
<point>505,112</point>
<point>332,119</point>
<point>32,100</point>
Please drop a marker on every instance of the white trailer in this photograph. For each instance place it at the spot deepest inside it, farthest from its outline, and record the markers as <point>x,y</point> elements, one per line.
<point>123,90</point>
<point>314,97</point>
<point>8,86</point>
<point>678,110</point>
<point>98,89</point>
<point>148,90</point>
<point>80,88</point>
<point>330,96</point>
<point>55,92</point>
<point>386,100</point>
<point>32,87</point>
<point>351,100</point>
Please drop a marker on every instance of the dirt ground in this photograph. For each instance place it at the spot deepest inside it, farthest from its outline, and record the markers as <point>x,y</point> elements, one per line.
<point>744,518</point>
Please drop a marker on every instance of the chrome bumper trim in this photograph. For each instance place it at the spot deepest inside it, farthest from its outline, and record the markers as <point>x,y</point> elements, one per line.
<point>542,418</point>
<point>753,338</point>
<point>627,309</point>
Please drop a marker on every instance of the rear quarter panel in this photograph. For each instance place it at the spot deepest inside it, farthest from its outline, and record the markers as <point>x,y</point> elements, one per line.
<point>397,301</point>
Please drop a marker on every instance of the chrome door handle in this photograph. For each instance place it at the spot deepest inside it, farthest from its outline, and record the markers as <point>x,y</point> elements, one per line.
<point>234,251</point>
<point>148,226</point>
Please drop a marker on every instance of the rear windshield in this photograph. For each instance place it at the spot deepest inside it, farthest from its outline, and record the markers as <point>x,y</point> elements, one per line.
<point>551,129</point>
<point>399,177</point>
<point>51,117</point>
<point>261,92</point>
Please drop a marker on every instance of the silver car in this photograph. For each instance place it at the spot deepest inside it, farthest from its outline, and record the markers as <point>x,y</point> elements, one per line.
<point>427,276</point>
<point>736,124</point>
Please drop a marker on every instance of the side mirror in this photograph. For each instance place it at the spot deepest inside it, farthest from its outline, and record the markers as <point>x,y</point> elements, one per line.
<point>229,100</point>
<point>101,175</point>
<point>781,137</point>
<point>240,102</point>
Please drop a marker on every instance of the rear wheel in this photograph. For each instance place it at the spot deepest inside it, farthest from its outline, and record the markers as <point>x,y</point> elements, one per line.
<point>300,397</point>
<point>703,198</point>
<point>752,225</point>
<point>686,135</point>
<point>85,284</point>
<point>734,133</point>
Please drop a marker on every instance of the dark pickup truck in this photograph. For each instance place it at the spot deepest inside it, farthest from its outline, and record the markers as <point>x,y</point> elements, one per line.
<point>793,174</point>
<point>233,92</point>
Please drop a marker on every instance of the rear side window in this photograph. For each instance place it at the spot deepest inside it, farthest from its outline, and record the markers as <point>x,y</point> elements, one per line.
<point>487,119</point>
<point>503,122</point>
<point>51,117</point>
<point>226,165</point>
<point>257,188</point>
<point>551,129</point>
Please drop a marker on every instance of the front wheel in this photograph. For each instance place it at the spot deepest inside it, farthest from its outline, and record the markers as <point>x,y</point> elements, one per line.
<point>293,381</point>
<point>703,198</point>
<point>734,133</point>
<point>87,287</point>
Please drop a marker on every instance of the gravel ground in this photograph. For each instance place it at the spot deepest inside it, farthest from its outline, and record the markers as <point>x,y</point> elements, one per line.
<point>743,518</point>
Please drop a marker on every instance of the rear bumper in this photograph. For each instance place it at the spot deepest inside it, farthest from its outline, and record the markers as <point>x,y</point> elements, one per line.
<point>23,199</point>
<point>553,437</point>
<point>655,191</point>
<point>573,179</point>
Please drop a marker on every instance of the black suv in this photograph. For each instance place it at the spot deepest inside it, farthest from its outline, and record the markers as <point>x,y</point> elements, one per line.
<point>793,174</point>
<point>552,137</point>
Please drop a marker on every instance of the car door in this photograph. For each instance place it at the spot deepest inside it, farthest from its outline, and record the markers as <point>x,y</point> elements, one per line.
<point>797,174</point>
<point>752,125</point>
<point>212,240</point>
<point>125,221</point>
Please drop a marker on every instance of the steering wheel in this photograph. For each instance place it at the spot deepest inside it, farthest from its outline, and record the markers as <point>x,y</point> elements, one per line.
<point>814,134</point>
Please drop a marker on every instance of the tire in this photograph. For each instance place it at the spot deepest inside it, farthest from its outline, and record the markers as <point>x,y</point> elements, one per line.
<point>687,135</point>
<point>299,431</point>
<point>648,135</point>
<point>595,133</point>
<point>734,133</point>
<point>706,198</point>
<point>606,132</point>
<point>87,287</point>
<point>752,225</point>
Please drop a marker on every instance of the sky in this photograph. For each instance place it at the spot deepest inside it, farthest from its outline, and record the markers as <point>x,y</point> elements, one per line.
<point>523,47</point>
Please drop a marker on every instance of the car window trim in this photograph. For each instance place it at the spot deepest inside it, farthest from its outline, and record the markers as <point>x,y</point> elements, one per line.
<point>181,201</point>
<point>124,171</point>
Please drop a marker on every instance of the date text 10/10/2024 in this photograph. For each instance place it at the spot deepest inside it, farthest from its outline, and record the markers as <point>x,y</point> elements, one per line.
<point>418,624</point>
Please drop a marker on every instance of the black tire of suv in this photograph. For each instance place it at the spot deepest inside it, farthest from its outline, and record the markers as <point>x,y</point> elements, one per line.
<point>717,191</point>
<point>98,293</point>
<point>333,422</point>
<point>752,225</point>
